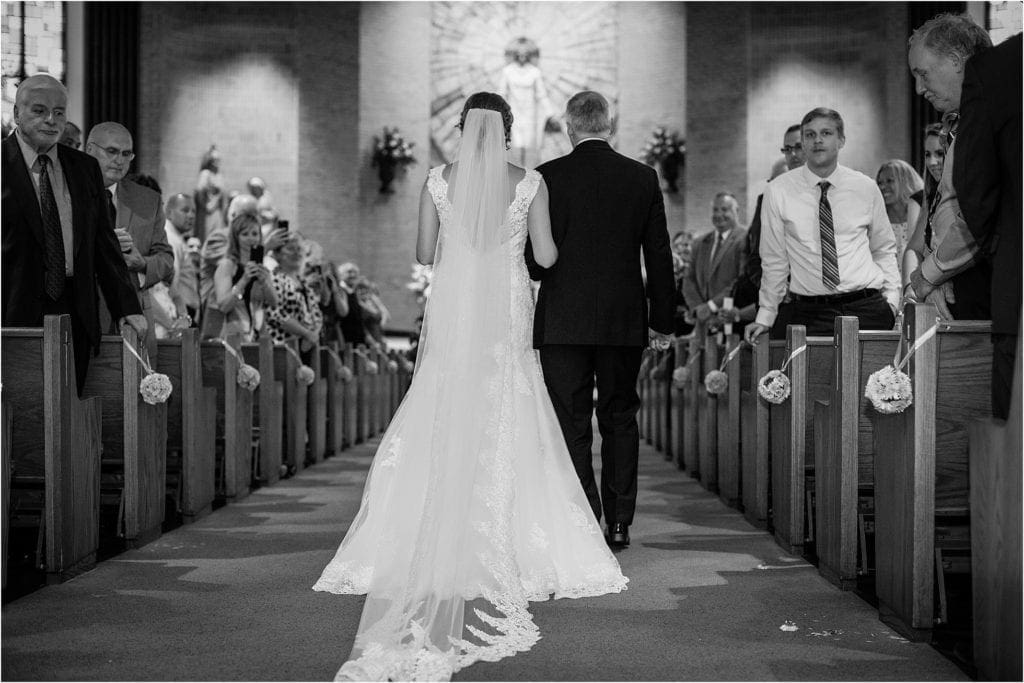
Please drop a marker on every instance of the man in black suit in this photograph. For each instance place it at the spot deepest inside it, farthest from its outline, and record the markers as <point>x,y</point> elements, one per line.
<point>592,317</point>
<point>987,177</point>
<point>57,240</point>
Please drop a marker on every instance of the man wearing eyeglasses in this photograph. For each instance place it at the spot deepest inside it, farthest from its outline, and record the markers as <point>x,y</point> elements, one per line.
<point>58,244</point>
<point>136,212</point>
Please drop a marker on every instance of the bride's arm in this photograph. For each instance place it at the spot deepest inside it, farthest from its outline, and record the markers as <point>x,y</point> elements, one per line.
<point>538,221</point>
<point>426,237</point>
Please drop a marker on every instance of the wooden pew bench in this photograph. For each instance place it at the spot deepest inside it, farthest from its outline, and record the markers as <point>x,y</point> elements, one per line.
<point>754,429</point>
<point>268,411</point>
<point>332,367</point>
<point>316,398</point>
<point>286,367</point>
<point>234,418</point>
<point>191,426</point>
<point>52,450</point>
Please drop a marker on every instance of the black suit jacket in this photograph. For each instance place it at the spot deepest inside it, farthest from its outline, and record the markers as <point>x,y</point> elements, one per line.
<point>97,255</point>
<point>604,208</point>
<point>987,170</point>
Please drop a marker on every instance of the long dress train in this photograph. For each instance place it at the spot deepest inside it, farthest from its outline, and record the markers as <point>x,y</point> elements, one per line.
<point>472,496</point>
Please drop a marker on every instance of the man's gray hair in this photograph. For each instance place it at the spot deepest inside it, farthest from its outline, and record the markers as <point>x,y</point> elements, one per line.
<point>587,112</point>
<point>952,34</point>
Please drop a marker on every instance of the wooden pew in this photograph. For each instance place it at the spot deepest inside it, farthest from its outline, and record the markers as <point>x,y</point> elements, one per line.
<point>995,496</point>
<point>792,434</point>
<point>707,419</point>
<point>268,410</point>
<point>844,450</point>
<point>728,427</point>
<point>331,366</point>
<point>234,417</point>
<point>316,426</point>
<point>52,447</point>
<point>690,399</point>
<point>5,496</point>
<point>364,395</point>
<point>352,393</point>
<point>676,409</point>
<point>295,406</point>
<point>191,424</point>
<point>754,434</point>
<point>921,467</point>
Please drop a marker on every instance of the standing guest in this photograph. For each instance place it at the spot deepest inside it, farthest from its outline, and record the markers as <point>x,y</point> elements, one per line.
<point>333,301</point>
<point>242,287</point>
<point>682,262</point>
<point>181,214</point>
<point>939,50</point>
<point>58,239</point>
<point>136,212</point>
<point>375,313</point>
<point>72,136</point>
<point>351,324</point>
<point>296,313</point>
<point>718,260</point>
<point>987,178</point>
<point>903,193</point>
<point>934,159</point>
<point>258,189</point>
<point>825,233</point>
<point>211,203</point>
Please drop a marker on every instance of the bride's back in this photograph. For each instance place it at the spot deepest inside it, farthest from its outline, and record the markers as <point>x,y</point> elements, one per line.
<point>515,176</point>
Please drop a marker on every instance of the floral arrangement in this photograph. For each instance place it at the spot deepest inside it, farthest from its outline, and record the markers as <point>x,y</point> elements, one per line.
<point>774,387</point>
<point>345,374</point>
<point>155,388</point>
<point>889,390</point>
<point>305,375</point>
<point>419,284</point>
<point>716,382</point>
<point>662,145</point>
<point>391,148</point>
<point>681,376</point>
<point>248,377</point>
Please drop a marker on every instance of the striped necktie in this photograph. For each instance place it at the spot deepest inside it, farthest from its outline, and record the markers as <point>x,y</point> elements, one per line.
<point>53,236</point>
<point>829,260</point>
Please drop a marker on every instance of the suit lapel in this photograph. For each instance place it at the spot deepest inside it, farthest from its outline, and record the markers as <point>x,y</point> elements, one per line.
<point>721,251</point>
<point>24,190</point>
<point>79,196</point>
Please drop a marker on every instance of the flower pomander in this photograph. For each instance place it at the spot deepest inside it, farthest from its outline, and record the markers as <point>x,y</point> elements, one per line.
<point>155,388</point>
<point>345,374</point>
<point>392,366</point>
<point>372,368</point>
<point>305,375</point>
<point>407,366</point>
<point>716,382</point>
<point>774,387</point>
<point>889,390</point>
<point>680,377</point>
<point>248,377</point>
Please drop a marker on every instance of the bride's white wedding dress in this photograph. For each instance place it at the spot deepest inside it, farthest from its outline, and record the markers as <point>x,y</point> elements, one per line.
<point>472,496</point>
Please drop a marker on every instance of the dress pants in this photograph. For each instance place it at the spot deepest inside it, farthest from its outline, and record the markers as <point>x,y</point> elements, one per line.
<point>819,317</point>
<point>79,338</point>
<point>570,372</point>
<point>973,291</point>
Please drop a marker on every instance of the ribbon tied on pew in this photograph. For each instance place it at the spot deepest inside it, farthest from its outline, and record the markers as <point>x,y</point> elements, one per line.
<point>305,375</point>
<point>248,377</point>
<point>155,387</point>
<point>716,381</point>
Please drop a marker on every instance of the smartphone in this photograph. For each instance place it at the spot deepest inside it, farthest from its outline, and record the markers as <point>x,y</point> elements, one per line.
<point>283,224</point>
<point>256,254</point>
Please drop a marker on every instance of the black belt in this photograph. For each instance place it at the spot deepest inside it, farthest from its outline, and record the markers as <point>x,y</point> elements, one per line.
<point>844,298</point>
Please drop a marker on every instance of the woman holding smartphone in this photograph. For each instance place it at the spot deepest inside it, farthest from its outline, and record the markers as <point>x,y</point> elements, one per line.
<point>242,286</point>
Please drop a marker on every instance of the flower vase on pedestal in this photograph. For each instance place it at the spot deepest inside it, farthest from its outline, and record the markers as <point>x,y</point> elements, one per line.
<point>386,173</point>
<point>670,171</point>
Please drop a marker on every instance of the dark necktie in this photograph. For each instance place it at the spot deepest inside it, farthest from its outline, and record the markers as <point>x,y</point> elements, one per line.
<point>715,247</point>
<point>111,209</point>
<point>829,260</point>
<point>53,236</point>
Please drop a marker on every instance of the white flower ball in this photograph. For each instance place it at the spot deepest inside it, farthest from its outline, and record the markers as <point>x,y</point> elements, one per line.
<point>155,388</point>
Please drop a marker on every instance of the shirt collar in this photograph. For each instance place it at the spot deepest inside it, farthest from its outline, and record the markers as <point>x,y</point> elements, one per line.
<point>589,140</point>
<point>813,179</point>
<point>30,154</point>
<point>113,192</point>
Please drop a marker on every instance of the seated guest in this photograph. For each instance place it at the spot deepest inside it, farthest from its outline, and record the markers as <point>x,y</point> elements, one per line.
<point>296,314</point>
<point>824,231</point>
<point>351,324</point>
<point>903,193</point>
<point>71,137</point>
<point>718,259</point>
<point>242,287</point>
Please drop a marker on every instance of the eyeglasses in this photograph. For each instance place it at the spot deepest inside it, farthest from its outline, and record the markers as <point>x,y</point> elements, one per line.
<point>789,149</point>
<point>112,152</point>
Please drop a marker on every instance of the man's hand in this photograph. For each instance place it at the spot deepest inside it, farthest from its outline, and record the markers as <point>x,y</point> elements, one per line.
<point>702,312</point>
<point>137,322</point>
<point>921,287</point>
<point>658,340</point>
<point>124,240</point>
<point>134,260</point>
<point>753,331</point>
<point>937,298</point>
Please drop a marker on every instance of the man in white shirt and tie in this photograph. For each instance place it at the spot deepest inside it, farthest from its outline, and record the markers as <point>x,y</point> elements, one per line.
<point>825,233</point>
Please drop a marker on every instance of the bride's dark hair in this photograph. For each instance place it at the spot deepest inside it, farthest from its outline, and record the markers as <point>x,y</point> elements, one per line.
<point>492,101</point>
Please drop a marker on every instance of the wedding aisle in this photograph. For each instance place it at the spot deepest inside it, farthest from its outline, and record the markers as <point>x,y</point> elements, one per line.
<point>228,598</point>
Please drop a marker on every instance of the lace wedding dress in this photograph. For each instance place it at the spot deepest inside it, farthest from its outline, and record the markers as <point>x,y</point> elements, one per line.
<point>472,506</point>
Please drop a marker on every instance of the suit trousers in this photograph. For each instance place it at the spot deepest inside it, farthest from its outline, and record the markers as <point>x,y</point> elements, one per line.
<point>570,372</point>
<point>79,339</point>
<point>819,317</point>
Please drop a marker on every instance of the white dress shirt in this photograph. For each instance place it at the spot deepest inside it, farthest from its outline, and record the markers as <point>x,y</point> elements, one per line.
<point>791,240</point>
<point>59,185</point>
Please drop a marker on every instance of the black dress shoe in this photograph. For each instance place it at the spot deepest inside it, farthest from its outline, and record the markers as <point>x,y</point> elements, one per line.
<point>618,535</point>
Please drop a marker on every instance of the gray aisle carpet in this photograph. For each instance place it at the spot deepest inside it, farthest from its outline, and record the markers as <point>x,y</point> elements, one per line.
<point>228,598</point>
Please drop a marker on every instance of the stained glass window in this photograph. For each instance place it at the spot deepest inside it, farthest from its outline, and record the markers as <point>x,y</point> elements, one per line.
<point>33,42</point>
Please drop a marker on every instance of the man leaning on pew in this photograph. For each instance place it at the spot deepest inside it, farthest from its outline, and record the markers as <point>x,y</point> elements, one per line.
<point>57,240</point>
<point>825,230</point>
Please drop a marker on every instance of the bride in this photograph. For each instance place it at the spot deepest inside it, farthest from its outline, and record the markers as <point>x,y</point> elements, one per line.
<point>472,506</point>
